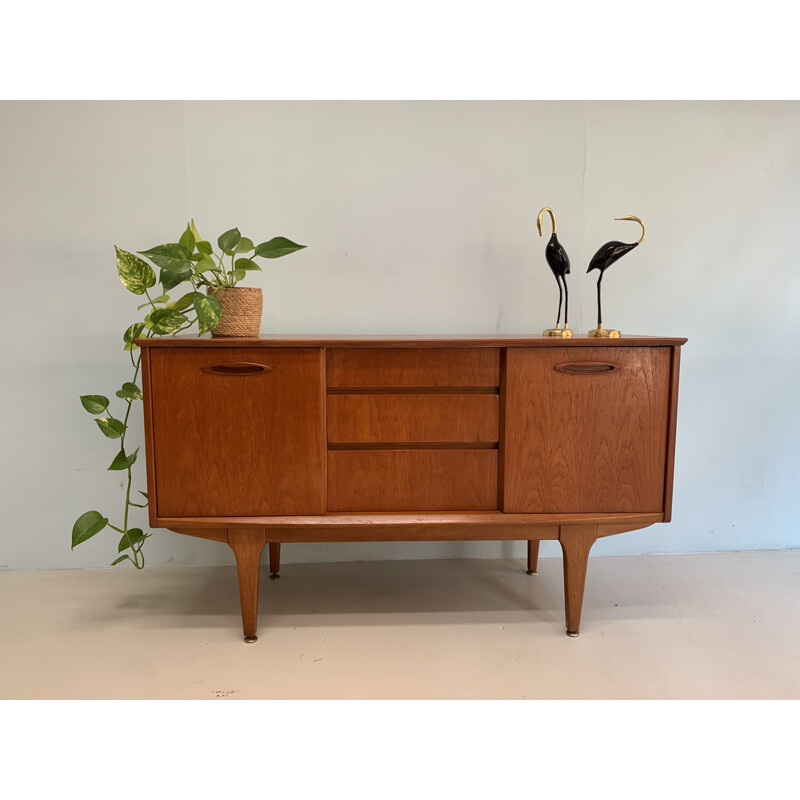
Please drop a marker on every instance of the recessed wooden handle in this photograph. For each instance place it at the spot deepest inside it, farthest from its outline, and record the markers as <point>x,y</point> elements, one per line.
<point>237,368</point>
<point>584,367</point>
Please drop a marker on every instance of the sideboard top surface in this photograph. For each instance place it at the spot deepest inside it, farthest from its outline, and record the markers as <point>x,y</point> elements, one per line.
<point>405,340</point>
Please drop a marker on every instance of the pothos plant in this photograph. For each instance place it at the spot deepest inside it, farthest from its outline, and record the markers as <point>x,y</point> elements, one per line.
<point>190,261</point>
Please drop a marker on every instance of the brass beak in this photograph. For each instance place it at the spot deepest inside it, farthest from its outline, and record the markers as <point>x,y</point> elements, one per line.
<point>539,219</point>
<point>636,219</point>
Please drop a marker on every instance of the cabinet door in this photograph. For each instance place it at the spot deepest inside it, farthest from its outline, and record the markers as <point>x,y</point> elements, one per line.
<point>585,429</point>
<point>238,431</point>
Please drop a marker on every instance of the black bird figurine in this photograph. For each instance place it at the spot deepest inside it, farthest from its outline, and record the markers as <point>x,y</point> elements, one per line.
<point>602,260</point>
<point>558,261</point>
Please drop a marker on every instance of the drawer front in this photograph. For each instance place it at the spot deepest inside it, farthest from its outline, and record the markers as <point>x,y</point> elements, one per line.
<point>392,418</point>
<point>412,480</point>
<point>413,367</point>
<point>586,429</point>
<point>238,431</point>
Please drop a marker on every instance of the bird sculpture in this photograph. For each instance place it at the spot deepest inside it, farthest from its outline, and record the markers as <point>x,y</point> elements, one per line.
<point>558,261</point>
<point>601,261</point>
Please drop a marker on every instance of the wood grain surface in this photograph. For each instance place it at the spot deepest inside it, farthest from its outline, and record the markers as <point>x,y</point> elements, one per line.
<point>247,544</point>
<point>414,367</point>
<point>362,525</point>
<point>405,340</point>
<point>576,542</point>
<point>671,432</point>
<point>412,480</point>
<point>241,445</point>
<point>413,418</point>
<point>586,442</point>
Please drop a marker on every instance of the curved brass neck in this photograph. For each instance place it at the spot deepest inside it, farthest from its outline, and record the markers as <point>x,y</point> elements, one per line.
<point>539,219</point>
<point>636,219</point>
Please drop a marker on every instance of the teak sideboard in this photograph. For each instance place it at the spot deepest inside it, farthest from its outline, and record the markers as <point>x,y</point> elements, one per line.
<point>400,438</point>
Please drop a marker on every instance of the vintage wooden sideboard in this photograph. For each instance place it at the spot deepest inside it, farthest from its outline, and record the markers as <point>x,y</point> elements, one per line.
<point>401,438</point>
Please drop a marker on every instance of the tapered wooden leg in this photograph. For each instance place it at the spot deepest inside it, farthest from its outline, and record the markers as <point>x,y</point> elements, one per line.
<point>274,560</point>
<point>247,544</point>
<point>576,542</point>
<point>533,556</point>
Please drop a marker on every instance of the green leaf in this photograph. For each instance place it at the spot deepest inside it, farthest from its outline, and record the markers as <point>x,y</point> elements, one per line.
<point>195,232</point>
<point>245,245</point>
<point>86,526</point>
<point>166,320</point>
<point>246,263</point>
<point>205,248</point>
<point>187,239</point>
<point>239,274</point>
<point>130,391</point>
<point>135,536</point>
<point>94,403</point>
<point>112,428</point>
<point>121,461</point>
<point>185,302</point>
<point>277,247</point>
<point>205,265</point>
<point>133,333</point>
<point>209,311</point>
<point>136,275</point>
<point>169,280</point>
<point>228,241</point>
<point>171,257</point>
<point>145,495</point>
<point>119,560</point>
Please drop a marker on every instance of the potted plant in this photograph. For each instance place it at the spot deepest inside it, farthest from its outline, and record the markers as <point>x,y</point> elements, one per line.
<point>222,310</point>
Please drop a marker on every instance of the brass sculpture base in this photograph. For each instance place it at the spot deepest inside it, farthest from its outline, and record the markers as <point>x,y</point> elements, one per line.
<point>603,333</point>
<point>564,333</point>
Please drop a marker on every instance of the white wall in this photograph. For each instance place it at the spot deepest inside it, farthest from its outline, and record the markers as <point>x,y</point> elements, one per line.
<point>419,217</point>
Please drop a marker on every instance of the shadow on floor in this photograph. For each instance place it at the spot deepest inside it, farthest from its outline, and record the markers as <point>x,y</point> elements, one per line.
<point>365,592</point>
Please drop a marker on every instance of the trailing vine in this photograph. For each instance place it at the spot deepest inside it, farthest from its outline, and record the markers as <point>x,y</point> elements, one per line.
<point>190,261</point>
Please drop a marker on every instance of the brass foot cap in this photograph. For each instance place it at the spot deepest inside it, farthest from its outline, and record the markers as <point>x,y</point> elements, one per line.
<point>250,639</point>
<point>274,576</point>
<point>531,572</point>
<point>573,634</point>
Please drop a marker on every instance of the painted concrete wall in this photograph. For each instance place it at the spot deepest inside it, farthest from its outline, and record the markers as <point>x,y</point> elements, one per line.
<point>419,218</point>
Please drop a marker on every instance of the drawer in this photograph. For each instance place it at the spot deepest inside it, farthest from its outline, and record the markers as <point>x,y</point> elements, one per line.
<point>413,367</point>
<point>413,418</point>
<point>412,480</point>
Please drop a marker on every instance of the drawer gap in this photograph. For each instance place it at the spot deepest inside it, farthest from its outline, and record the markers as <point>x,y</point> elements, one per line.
<point>413,390</point>
<point>413,445</point>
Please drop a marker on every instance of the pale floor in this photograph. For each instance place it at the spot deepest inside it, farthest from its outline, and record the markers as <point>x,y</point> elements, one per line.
<point>670,626</point>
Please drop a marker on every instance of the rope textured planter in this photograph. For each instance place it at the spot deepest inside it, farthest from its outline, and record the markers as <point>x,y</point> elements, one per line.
<point>241,312</point>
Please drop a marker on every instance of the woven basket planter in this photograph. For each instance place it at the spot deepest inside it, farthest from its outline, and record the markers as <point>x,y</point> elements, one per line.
<point>241,312</point>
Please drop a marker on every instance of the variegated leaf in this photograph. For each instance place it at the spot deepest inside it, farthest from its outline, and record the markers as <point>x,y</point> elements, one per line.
<point>136,275</point>
<point>166,320</point>
<point>209,311</point>
<point>129,391</point>
<point>112,428</point>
